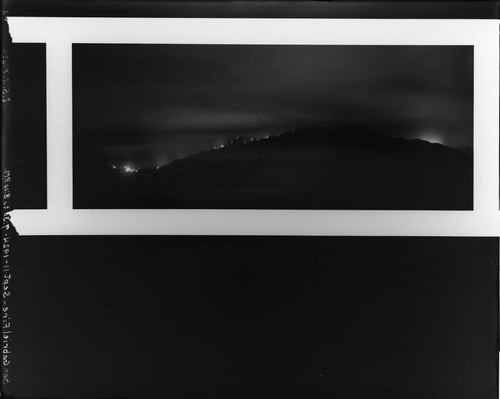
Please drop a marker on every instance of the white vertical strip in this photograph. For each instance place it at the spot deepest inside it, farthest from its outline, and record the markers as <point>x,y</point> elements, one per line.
<point>59,126</point>
<point>486,123</point>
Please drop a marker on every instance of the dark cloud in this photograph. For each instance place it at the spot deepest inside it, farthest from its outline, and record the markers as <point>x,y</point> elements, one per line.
<point>195,96</point>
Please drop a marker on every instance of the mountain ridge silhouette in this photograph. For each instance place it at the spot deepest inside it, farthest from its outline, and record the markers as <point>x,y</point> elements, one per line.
<point>308,168</point>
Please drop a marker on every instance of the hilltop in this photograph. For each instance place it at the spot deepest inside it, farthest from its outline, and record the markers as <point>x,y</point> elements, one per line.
<point>307,168</point>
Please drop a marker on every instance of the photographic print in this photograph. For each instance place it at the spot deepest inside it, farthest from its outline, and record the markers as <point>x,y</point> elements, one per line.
<point>250,200</point>
<point>272,127</point>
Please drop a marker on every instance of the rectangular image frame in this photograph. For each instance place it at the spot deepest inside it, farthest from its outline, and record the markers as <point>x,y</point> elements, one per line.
<point>59,34</point>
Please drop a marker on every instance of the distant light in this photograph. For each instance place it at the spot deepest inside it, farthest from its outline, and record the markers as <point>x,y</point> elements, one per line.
<point>113,166</point>
<point>129,169</point>
<point>432,137</point>
<point>157,167</point>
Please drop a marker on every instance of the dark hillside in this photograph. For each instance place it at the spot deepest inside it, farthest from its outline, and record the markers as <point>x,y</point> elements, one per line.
<point>302,169</point>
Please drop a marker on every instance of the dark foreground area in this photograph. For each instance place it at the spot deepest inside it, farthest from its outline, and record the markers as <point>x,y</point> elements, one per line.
<point>254,317</point>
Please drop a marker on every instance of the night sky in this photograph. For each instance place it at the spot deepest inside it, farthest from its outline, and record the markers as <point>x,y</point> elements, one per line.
<point>147,105</point>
